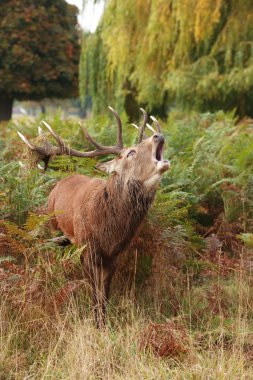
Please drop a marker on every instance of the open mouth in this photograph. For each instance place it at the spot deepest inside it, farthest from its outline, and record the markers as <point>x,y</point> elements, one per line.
<point>159,151</point>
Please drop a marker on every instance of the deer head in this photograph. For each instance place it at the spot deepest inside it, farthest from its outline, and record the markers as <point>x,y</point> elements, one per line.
<point>143,162</point>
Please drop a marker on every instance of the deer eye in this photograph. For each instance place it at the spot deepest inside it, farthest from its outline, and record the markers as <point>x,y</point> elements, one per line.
<point>131,153</point>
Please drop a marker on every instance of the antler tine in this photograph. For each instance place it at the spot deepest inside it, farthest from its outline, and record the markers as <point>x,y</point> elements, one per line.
<point>143,126</point>
<point>27,142</point>
<point>156,123</point>
<point>136,126</point>
<point>150,128</point>
<point>44,152</point>
<point>54,134</point>
<point>89,138</point>
<point>40,131</point>
<point>119,136</point>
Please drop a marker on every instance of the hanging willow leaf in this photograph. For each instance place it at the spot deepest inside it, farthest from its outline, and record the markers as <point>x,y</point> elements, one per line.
<point>161,52</point>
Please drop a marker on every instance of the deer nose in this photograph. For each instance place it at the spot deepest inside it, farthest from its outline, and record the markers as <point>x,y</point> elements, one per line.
<point>158,138</point>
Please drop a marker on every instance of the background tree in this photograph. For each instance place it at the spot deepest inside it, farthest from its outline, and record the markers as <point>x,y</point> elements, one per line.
<point>39,51</point>
<point>161,53</point>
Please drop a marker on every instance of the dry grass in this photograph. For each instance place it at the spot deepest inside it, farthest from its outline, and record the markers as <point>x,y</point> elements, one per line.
<point>179,310</point>
<point>169,324</point>
<point>204,341</point>
<point>165,321</point>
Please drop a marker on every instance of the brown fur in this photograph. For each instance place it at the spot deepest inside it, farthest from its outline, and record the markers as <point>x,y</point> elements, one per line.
<point>102,216</point>
<point>100,212</point>
<point>105,215</point>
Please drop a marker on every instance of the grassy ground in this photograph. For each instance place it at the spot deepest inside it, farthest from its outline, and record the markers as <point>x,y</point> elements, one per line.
<point>195,344</point>
<point>181,305</point>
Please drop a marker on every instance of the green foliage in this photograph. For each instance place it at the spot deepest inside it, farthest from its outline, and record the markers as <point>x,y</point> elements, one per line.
<point>44,314</point>
<point>164,53</point>
<point>212,163</point>
<point>247,238</point>
<point>211,171</point>
<point>20,193</point>
<point>92,72</point>
<point>39,49</point>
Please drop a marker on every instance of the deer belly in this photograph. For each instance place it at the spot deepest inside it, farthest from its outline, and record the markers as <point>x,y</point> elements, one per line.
<point>63,220</point>
<point>60,204</point>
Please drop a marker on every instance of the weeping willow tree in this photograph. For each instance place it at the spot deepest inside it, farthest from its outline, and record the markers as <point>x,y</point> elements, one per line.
<point>164,53</point>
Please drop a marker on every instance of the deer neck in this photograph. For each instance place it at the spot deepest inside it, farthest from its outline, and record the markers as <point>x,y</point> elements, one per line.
<point>133,197</point>
<point>124,204</point>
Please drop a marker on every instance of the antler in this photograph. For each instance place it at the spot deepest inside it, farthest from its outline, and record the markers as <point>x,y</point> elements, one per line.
<point>156,123</point>
<point>143,126</point>
<point>150,128</point>
<point>119,137</point>
<point>47,150</point>
<point>141,129</point>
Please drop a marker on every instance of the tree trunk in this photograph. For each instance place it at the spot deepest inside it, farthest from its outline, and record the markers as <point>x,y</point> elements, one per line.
<point>6,108</point>
<point>43,108</point>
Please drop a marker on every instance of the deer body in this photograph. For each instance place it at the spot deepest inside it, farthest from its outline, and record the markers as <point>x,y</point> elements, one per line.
<point>104,215</point>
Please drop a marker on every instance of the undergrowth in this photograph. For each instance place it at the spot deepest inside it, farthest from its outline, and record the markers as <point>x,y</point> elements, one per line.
<point>181,305</point>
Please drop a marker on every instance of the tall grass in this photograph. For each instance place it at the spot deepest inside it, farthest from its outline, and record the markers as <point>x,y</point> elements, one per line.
<point>181,305</point>
<point>66,345</point>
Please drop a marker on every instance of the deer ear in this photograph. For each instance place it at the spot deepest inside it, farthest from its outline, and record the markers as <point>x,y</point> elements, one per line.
<point>108,166</point>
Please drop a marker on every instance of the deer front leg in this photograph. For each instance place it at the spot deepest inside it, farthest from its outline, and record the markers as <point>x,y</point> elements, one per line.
<point>101,287</point>
<point>107,278</point>
<point>100,276</point>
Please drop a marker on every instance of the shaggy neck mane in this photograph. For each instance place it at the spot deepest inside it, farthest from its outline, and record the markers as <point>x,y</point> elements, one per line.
<point>123,204</point>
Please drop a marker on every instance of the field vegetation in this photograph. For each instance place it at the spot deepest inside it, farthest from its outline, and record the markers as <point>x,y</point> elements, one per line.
<point>181,305</point>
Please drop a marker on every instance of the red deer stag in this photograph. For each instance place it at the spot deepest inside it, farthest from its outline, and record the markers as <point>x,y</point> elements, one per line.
<point>104,215</point>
